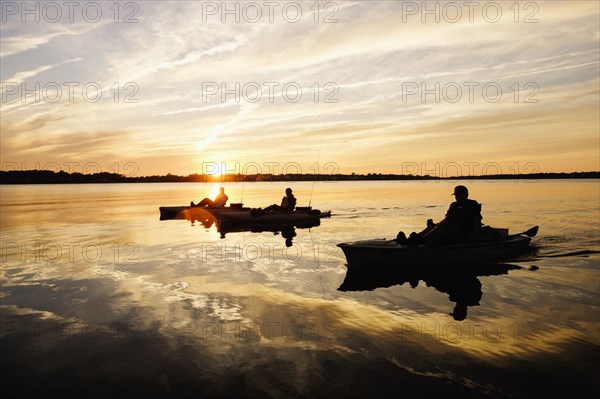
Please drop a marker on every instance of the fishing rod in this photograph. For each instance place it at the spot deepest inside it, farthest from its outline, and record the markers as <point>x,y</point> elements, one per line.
<point>317,163</point>
<point>243,175</point>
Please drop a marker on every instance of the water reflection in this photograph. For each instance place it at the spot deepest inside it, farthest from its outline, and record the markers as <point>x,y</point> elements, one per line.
<point>224,227</point>
<point>461,284</point>
<point>287,230</point>
<point>149,322</point>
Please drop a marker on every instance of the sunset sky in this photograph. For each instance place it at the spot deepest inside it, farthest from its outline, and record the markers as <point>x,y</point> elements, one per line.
<point>516,87</point>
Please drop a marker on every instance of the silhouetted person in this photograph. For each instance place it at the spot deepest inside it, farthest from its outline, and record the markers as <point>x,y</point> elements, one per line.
<point>460,312</point>
<point>462,222</point>
<point>462,288</point>
<point>207,222</point>
<point>202,216</point>
<point>219,202</point>
<point>289,234</point>
<point>288,203</point>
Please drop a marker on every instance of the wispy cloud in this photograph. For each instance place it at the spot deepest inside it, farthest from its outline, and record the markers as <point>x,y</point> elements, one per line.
<point>371,56</point>
<point>12,45</point>
<point>20,77</point>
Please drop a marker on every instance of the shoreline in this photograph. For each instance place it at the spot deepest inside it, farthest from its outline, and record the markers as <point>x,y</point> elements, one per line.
<point>51,177</point>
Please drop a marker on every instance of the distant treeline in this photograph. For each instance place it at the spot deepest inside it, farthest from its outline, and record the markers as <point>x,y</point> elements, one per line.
<point>51,177</point>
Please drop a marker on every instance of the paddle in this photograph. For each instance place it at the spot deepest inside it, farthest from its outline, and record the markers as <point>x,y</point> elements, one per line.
<point>529,233</point>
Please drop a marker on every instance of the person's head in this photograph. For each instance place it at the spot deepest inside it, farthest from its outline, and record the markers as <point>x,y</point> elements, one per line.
<point>459,313</point>
<point>288,191</point>
<point>222,190</point>
<point>460,193</point>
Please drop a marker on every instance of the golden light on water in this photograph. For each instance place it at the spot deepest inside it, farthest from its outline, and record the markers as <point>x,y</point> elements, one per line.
<point>232,296</point>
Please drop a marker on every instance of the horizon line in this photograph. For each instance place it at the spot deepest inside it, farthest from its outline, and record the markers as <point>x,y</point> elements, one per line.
<point>36,176</point>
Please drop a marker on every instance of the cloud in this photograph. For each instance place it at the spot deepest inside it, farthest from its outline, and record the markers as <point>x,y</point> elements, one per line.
<point>12,45</point>
<point>370,55</point>
<point>20,77</point>
<point>12,128</point>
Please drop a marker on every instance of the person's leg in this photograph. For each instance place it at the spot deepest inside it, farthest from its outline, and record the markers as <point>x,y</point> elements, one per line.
<point>273,207</point>
<point>439,232</point>
<point>415,237</point>
<point>426,230</point>
<point>205,202</point>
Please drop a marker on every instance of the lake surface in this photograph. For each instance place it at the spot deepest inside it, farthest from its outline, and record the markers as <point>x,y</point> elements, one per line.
<point>100,298</point>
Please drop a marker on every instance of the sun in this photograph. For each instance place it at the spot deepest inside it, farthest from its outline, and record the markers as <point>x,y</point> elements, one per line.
<point>214,190</point>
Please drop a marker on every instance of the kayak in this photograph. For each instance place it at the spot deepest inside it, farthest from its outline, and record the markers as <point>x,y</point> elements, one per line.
<point>187,212</point>
<point>369,253</point>
<point>450,280</point>
<point>226,226</point>
<point>258,216</point>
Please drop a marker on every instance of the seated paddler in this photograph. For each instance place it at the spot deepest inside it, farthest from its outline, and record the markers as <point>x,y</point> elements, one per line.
<point>288,203</point>
<point>462,223</point>
<point>219,201</point>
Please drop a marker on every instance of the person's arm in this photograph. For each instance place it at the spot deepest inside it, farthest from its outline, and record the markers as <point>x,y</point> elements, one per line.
<point>450,211</point>
<point>477,218</point>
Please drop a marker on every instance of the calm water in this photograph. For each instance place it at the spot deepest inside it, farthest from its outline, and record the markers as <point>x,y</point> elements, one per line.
<point>98,296</point>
